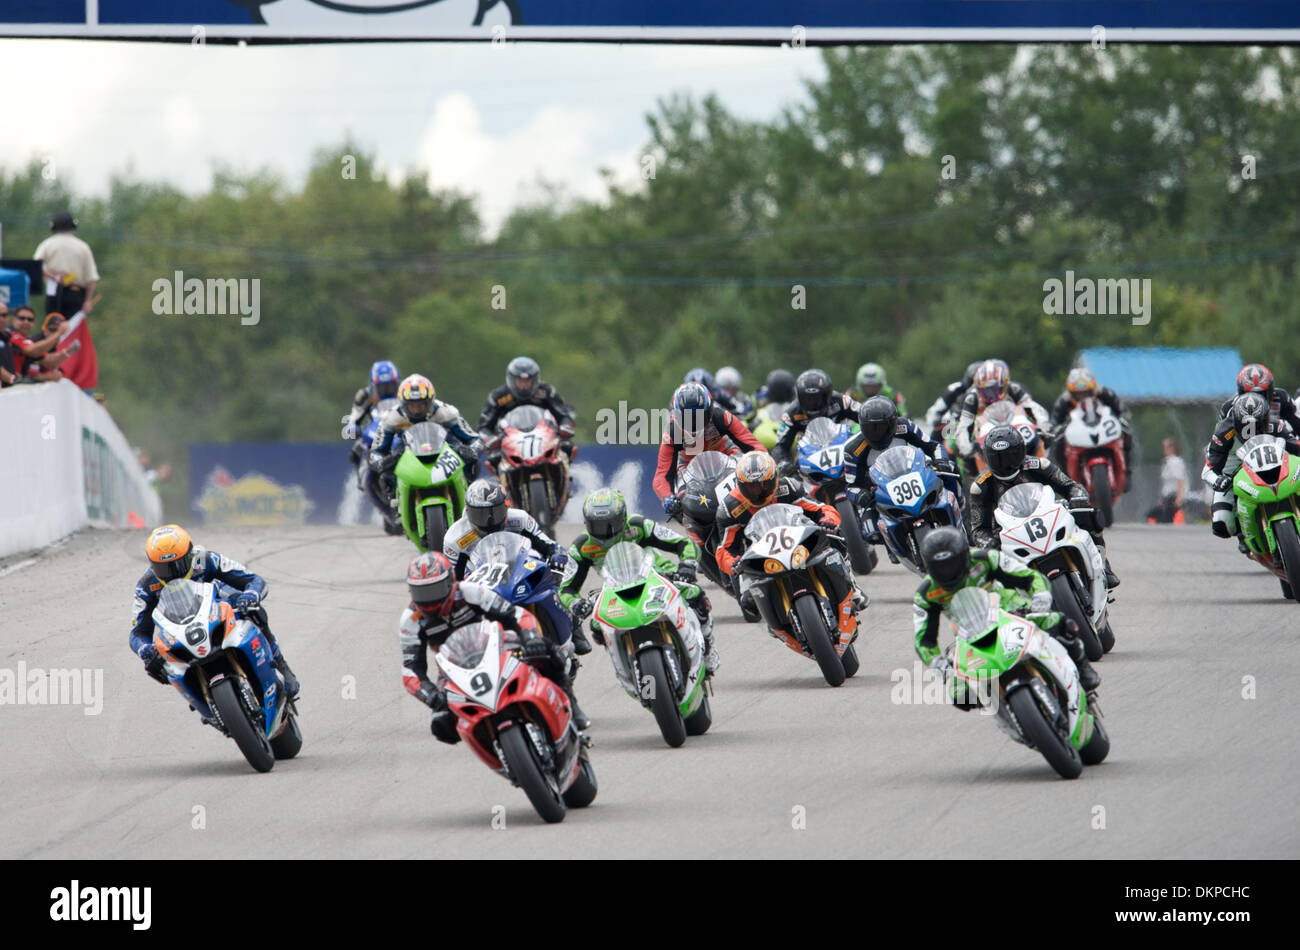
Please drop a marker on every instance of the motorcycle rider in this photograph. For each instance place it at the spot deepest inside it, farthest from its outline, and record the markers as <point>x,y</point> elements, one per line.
<point>173,556</point>
<point>951,564</point>
<point>732,397</point>
<point>605,516</point>
<point>383,385</point>
<point>1257,378</point>
<point>696,424</point>
<point>757,486</point>
<point>524,387</point>
<point>879,428</point>
<point>1004,450</point>
<point>940,411</point>
<point>1248,416</point>
<point>486,513</point>
<point>992,383</point>
<point>440,605</point>
<point>815,398</point>
<point>772,397</point>
<point>871,381</point>
<point>416,402</point>
<point>1079,385</point>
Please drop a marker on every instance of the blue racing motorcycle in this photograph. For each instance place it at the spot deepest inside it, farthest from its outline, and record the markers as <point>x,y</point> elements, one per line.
<point>911,500</point>
<point>821,463</point>
<point>506,563</point>
<point>221,663</point>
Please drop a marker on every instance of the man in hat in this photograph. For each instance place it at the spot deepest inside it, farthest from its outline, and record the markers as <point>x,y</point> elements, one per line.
<point>69,265</point>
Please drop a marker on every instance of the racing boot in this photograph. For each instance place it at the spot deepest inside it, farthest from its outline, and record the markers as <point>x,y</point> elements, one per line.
<point>1089,678</point>
<point>290,681</point>
<point>581,645</point>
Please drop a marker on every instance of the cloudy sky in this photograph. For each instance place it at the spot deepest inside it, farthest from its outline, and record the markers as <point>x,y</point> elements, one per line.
<point>486,119</point>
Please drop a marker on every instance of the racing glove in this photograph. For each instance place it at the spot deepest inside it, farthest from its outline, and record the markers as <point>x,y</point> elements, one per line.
<point>1223,483</point>
<point>246,602</point>
<point>686,572</point>
<point>538,648</point>
<point>1041,602</point>
<point>433,697</point>
<point>558,561</point>
<point>581,610</point>
<point>672,505</point>
<point>349,430</point>
<point>153,663</point>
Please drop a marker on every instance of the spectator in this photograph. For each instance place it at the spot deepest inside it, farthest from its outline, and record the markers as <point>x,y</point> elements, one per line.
<point>1173,488</point>
<point>153,475</point>
<point>33,358</point>
<point>69,265</point>
<point>8,376</point>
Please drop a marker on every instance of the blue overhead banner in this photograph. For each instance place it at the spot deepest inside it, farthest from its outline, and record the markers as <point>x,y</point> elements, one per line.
<point>742,21</point>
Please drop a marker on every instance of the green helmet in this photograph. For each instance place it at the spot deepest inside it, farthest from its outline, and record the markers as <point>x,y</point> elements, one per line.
<point>871,378</point>
<point>605,514</point>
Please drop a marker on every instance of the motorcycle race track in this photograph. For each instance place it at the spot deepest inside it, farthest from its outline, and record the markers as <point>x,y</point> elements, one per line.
<point>1196,769</point>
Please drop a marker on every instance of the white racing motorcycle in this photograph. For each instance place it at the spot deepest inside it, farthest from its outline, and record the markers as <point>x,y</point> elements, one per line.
<point>1037,528</point>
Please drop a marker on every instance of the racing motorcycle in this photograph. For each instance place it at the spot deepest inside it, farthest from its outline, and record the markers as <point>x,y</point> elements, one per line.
<point>1094,455</point>
<point>911,500</point>
<point>787,557</point>
<point>705,482</point>
<point>1267,510</point>
<point>821,462</point>
<point>430,485</point>
<point>221,664</point>
<point>366,437</point>
<point>533,471</point>
<point>1006,661</point>
<point>654,640</point>
<point>517,721</point>
<point>1005,412</point>
<point>1037,528</point>
<point>509,566</point>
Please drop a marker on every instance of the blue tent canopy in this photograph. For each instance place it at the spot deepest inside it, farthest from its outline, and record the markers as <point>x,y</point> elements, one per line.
<point>1165,374</point>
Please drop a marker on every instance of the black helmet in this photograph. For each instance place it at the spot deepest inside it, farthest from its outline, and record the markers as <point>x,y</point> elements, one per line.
<point>1004,450</point>
<point>485,506</point>
<point>946,555</point>
<point>605,513</point>
<point>878,417</point>
<point>521,377</point>
<point>780,386</point>
<point>1250,413</point>
<point>813,390</point>
<point>968,378</point>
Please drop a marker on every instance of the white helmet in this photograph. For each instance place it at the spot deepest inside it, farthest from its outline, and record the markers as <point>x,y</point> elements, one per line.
<point>728,378</point>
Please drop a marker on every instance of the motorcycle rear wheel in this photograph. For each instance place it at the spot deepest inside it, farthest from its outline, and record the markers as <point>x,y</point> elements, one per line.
<point>1065,601</point>
<point>1102,496</point>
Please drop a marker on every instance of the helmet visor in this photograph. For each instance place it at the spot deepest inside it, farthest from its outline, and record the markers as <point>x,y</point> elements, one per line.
<point>171,570</point>
<point>432,593</point>
<point>488,519</point>
<point>605,525</point>
<point>812,401</point>
<point>416,408</point>
<point>386,390</point>
<point>758,492</point>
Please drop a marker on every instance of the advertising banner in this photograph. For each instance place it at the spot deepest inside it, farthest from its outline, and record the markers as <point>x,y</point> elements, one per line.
<point>750,21</point>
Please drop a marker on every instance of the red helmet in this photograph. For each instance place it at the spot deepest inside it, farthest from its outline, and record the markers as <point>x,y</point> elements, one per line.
<point>432,582</point>
<point>1254,378</point>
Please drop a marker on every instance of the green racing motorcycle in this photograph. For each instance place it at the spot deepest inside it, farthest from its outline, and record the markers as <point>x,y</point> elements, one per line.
<point>1006,662</point>
<point>1267,510</point>
<point>430,485</point>
<point>654,640</point>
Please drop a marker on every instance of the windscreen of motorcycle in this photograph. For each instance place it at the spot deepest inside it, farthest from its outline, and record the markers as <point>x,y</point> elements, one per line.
<point>500,548</point>
<point>972,611</point>
<point>425,439</point>
<point>626,565</point>
<point>774,516</point>
<point>1022,500</point>
<point>895,461</point>
<point>524,418</point>
<point>465,647</point>
<point>709,467</point>
<point>821,431</point>
<point>181,600</point>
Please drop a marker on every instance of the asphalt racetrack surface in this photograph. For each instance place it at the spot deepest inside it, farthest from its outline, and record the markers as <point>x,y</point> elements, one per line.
<point>1196,697</point>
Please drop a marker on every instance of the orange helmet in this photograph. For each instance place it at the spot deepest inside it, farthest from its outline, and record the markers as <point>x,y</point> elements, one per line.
<point>992,380</point>
<point>416,395</point>
<point>756,478</point>
<point>170,551</point>
<point>1081,383</point>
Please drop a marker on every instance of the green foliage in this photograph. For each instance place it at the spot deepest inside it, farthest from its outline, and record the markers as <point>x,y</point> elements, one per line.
<point>919,196</point>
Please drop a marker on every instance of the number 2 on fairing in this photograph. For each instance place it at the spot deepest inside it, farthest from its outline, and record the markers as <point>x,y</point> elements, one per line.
<point>781,539</point>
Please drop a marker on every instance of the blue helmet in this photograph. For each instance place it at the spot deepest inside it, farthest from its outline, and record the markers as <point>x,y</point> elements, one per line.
<point>700,375</point>
<point>384,379</point>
